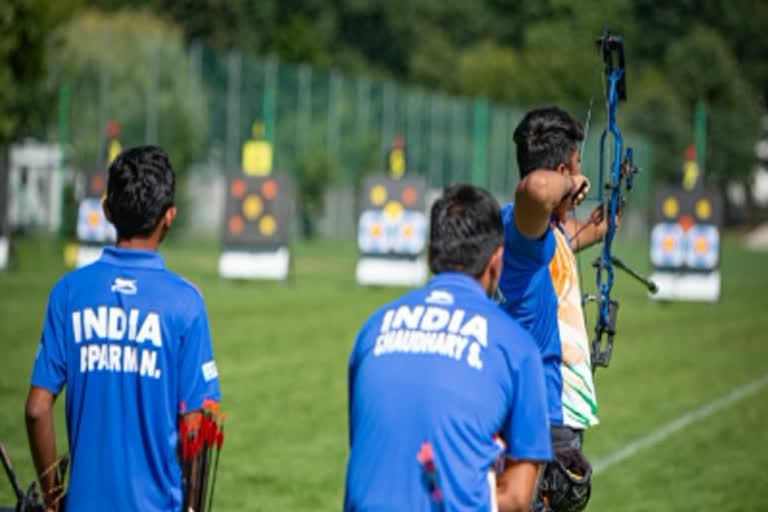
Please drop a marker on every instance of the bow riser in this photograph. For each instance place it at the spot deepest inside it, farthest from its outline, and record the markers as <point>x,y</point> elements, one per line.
<point>622,172</point>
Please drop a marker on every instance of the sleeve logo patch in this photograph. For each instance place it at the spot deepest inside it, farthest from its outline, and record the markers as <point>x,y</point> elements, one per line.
<point>209,371</point>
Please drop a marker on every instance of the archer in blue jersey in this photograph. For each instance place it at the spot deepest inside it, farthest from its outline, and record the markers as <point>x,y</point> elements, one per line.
<point>435,375</point>
<point>539,288</point>
<point>131,343</point>
<point>526,293</point>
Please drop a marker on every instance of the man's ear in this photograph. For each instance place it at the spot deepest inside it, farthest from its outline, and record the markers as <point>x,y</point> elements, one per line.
<point>562,169</point>
<point>492,273</point>
<point>105,209</point>
<point>169,216</point>
<point>496,263</point>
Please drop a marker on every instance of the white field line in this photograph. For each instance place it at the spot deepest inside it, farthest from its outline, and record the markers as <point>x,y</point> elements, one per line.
<point>678,424</point>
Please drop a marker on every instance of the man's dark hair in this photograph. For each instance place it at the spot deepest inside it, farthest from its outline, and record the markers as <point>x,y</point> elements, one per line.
<point>140,189</point>
<point>465,229</point>
<point>546,138</point>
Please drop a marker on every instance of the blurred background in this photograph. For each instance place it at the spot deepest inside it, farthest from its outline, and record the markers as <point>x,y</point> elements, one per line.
<point>332,84</point>
<point>325,91</point>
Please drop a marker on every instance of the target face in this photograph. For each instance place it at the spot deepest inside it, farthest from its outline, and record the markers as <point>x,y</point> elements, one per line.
<point>668,245</point>
<point>703,205</point>
<point>371,234</point>
<point>92,225</point>
<point>393,221</point>
<point>703,249</point>
<point>686,236</point>
<point>258,211</point>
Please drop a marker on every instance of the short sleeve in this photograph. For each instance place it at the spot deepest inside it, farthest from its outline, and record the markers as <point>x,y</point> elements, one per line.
<point>354,363</point>
<point>50,369</point>
<point>198,375</point>
<point>522,252</point>
<point>527,426</point>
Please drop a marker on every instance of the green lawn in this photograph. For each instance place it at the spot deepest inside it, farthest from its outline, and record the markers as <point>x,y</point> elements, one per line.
<point>282,351</point>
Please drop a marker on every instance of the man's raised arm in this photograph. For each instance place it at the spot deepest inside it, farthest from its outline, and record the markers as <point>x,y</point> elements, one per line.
<point>540,193</point>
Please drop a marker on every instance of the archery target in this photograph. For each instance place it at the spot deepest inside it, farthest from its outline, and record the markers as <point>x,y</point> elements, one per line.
<point>371,235</point>
<point>668,245</point>
<point>703,248</point>
<point>92,225</point>
<point>392,221</point>
<point>411,234</point>
<point>704,209</point>
<point>703,205</point>
<point>670,207</point>
<point>258,211</point>
<point>378,195</point>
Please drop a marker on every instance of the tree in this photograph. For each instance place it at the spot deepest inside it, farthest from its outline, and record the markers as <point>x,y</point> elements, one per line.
<point>24,28</point>
<point>126,66</point>
<point>704,69</point>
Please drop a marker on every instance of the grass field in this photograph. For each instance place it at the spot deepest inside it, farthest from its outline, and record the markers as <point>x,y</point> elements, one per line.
<point>282,352</point>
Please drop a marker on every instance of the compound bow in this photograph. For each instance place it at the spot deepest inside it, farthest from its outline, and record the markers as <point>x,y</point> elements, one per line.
<point>622,173</point>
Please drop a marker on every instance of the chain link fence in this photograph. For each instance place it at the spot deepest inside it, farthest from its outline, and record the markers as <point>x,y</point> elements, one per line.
<point>328,129</point>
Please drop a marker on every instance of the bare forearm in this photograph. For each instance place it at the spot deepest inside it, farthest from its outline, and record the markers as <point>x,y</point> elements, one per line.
<point>516,486</point>
<point>42,442</point>
<point>583,235</point>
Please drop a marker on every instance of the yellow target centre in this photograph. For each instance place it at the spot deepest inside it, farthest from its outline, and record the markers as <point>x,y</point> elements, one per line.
<point>378,195</point>
<point>703,209</point>
<point>267,225</point>
<point>701,245</point>
<point>93,219</point>
<point>670,208</point>
<point>393,210</point>
<point>376,230</point>
<point>668,243</point>
<point>252,207</point>
<point>407,231</point>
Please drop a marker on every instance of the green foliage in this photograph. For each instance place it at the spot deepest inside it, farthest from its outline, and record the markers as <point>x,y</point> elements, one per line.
<point>127,51</point>
<point>527,53</point>
<point>25,101</point>
<point>656,111</point>
<point>704,68</point>
<point>315,172</point>
<point>533,77</point>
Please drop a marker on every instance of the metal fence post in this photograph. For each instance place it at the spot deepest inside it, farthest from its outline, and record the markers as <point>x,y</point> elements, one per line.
<point>150,127</point>
<point>270,101</point>
<point>334,84</point>
<point>304,115</point>
<point>480,143</point>
<point>232,129</point>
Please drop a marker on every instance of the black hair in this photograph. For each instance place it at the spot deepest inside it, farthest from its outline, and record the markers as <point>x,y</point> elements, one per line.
<point>546,138</point>
<point>465,230</point>
<point>140,189</point>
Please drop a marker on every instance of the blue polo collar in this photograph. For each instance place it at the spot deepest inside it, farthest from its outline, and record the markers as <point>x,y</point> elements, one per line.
<point>457,279</point>
<point>137,258</point>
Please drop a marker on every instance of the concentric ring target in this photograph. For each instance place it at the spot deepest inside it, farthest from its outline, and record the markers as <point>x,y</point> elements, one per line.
<point>704,247</point>
<point>668,245</point>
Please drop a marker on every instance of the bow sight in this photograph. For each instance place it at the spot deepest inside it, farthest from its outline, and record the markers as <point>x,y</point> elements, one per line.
<point>622,173</point>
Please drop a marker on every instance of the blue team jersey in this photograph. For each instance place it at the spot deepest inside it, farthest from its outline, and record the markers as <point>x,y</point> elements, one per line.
<point>442,365</point>
<point>131,342</point>
<point>529,297</point>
